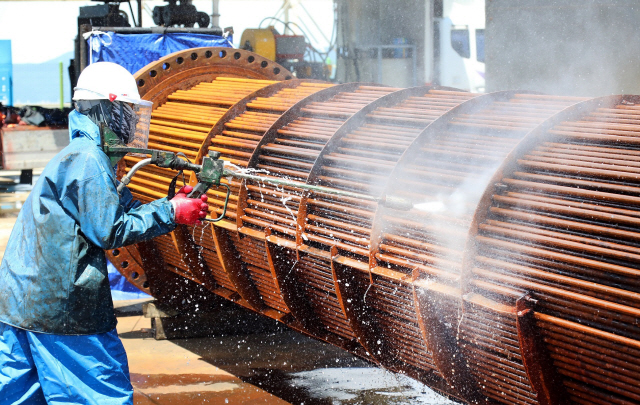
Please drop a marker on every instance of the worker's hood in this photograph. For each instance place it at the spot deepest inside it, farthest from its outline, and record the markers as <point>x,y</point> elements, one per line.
<point>81,126</point>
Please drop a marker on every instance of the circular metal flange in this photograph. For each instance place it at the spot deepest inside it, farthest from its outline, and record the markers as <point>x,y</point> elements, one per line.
<point>184,69</point>
<point>129,267</point>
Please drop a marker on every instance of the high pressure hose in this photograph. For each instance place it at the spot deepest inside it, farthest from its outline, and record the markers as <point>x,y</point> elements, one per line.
<point>127,178</point>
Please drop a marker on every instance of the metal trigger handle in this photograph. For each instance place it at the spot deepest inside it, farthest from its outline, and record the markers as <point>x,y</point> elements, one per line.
<point>224,209</point>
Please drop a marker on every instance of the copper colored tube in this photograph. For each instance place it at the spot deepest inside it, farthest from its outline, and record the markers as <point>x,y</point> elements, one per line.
<point>533,237</point>
<point>557,208</point>
<point>571,357</point>
<point>592,286</point>
<point>589,377</point>
<point>623,309</point>
<point>576,237</point>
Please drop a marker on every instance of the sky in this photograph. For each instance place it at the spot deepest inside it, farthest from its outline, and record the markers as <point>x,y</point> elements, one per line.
<point>44,30</point>
<point>42,35</point>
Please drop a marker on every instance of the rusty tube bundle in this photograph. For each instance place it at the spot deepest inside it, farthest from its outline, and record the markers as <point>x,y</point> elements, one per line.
<point>513,279</point>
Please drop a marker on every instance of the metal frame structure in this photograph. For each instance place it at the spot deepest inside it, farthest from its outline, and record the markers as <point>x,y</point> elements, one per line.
<point>513,278</point>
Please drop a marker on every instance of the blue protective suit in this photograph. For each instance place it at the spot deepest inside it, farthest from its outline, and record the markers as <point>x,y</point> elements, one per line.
<point>53,277</point>
<point>39,368</point>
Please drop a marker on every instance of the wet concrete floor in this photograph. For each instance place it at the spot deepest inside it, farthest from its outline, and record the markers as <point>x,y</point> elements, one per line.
<point>163,373</point>
<point>274,365</point>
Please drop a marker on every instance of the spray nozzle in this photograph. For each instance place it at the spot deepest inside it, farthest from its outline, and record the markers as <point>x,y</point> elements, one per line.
<point>396,203</point>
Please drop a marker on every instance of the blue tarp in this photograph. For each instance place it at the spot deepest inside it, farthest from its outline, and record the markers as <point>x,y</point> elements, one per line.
<point>135,51</point>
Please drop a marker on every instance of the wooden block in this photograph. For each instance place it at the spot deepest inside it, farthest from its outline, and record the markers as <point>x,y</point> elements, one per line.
<point>154,310</point>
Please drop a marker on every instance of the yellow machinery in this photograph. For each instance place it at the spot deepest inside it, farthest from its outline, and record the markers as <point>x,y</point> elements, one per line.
<point>287,50</point>
<point>261,41</point>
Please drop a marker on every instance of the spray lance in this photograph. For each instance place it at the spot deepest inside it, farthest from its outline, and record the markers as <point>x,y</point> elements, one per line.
<point>212,170</point>
<point>208,173</point>
<point>397,203</point>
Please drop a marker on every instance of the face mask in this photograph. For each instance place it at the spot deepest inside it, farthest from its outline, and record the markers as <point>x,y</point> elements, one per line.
<point>119,116</point>
<point>123,121</point>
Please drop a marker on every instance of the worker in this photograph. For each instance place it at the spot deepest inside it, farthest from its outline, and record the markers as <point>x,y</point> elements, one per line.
<point>58,342</point>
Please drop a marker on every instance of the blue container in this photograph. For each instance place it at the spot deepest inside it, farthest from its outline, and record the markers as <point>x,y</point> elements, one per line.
<point>400,52</point>
<point>6,73</point>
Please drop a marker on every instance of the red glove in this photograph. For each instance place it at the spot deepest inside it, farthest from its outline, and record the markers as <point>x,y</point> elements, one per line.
<point>189,211</point>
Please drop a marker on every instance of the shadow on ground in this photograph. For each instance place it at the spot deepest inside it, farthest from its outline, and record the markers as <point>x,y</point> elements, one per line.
<point>300,369</point>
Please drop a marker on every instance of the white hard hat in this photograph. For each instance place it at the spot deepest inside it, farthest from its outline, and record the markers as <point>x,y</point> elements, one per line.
<point>106,81</point>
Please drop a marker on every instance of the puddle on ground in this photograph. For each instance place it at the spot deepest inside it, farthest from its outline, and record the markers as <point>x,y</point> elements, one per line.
<point>179,389</point>
<point>365,385</point>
